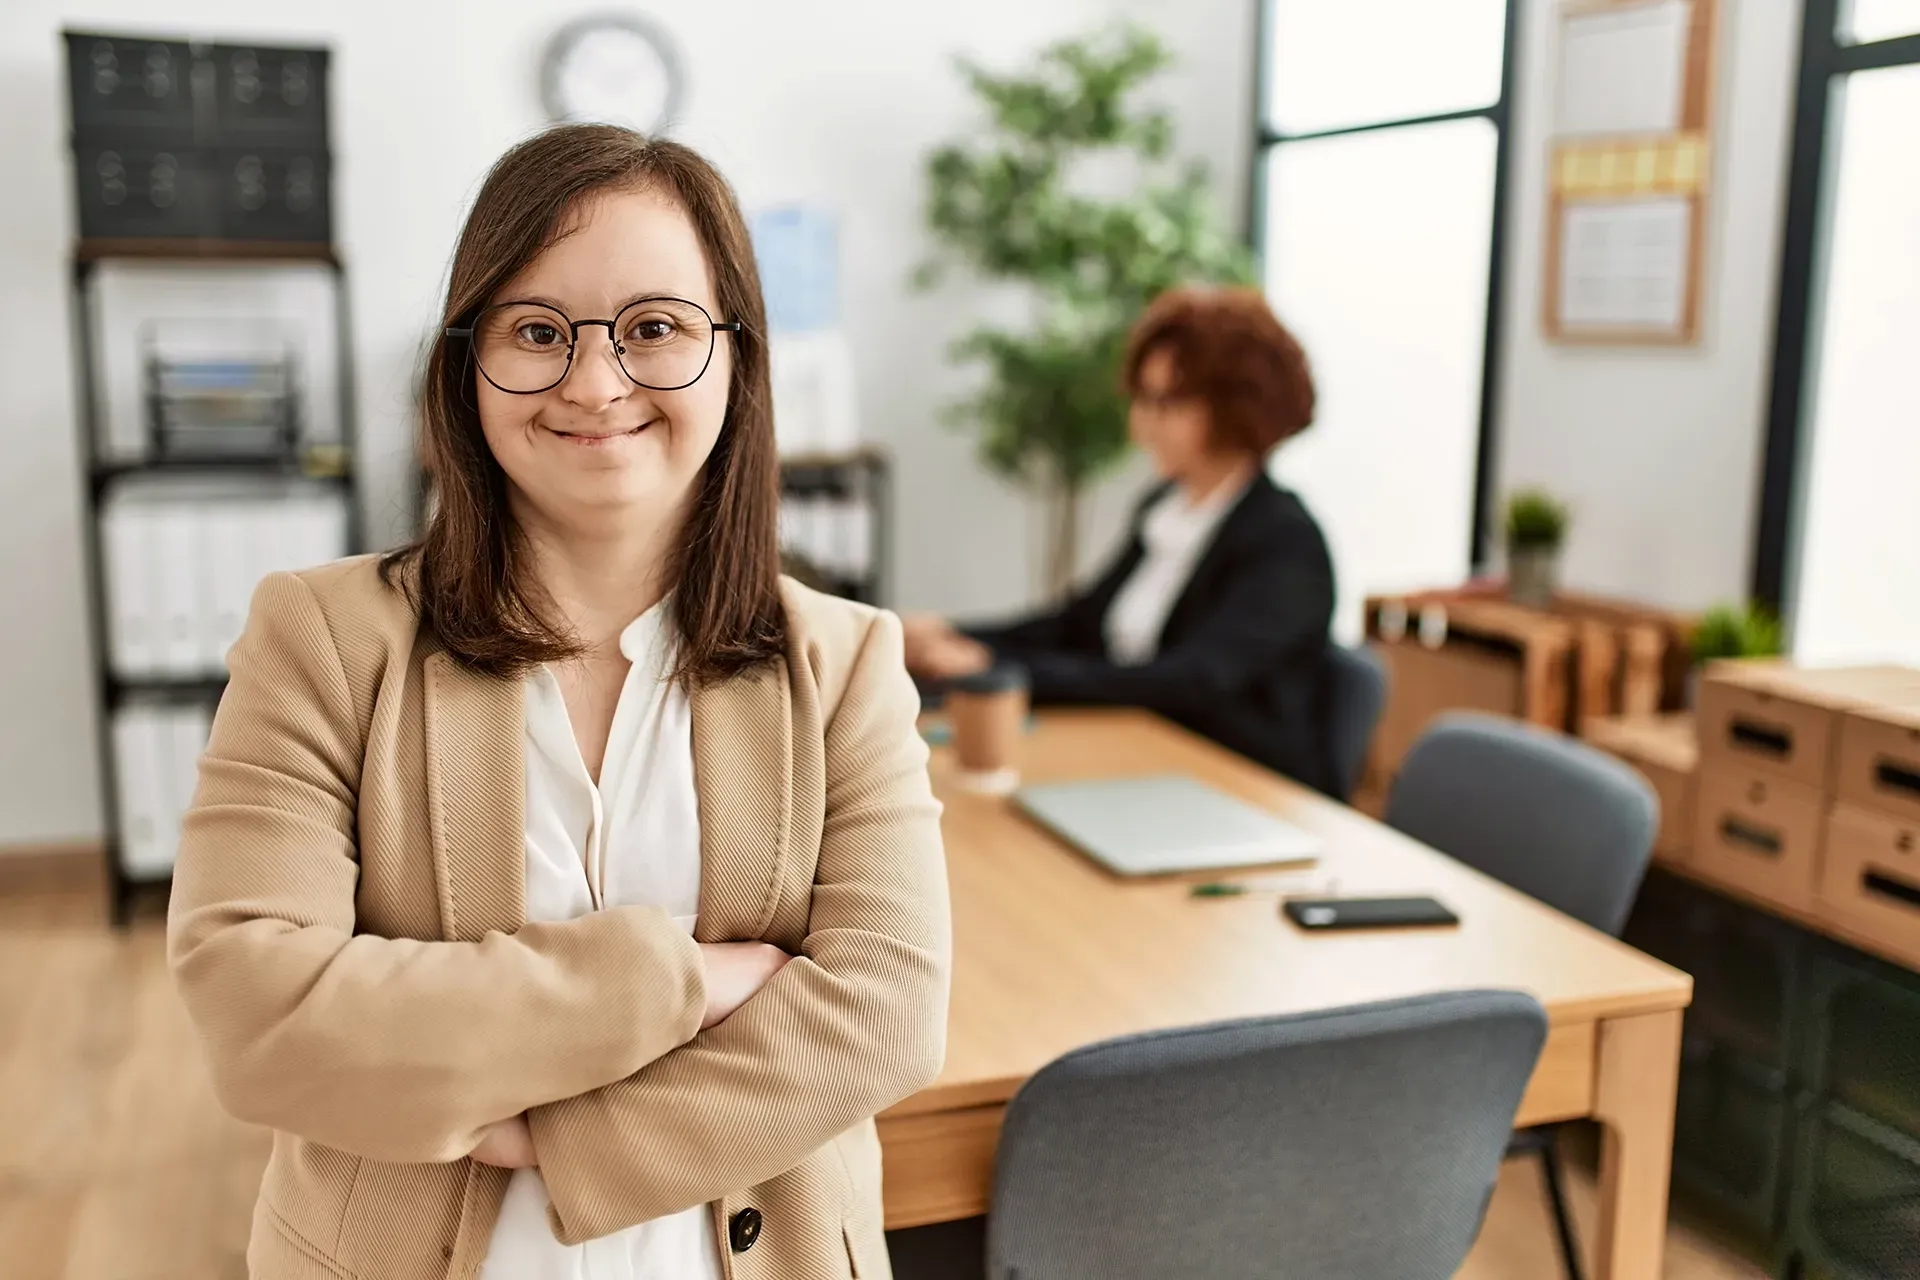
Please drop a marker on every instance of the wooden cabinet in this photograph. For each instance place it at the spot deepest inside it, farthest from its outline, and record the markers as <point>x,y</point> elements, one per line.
<point>1454,652</point>
<point>1472,649</point>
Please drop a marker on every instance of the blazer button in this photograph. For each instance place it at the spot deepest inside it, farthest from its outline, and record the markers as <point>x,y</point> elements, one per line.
<point>744,1229</point>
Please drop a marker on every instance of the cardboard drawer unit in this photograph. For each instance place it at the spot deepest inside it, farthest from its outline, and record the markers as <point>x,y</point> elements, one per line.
<point>1784,719</point>
<point>1879,766</point>
<point>1662,748</point>
<point>1757,834</point>
<point>1870,878</point>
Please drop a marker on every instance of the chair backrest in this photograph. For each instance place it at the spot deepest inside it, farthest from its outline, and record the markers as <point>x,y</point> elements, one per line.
<point>1350,1144</point>
<point>1356,695</point>
<point>1550,816</point>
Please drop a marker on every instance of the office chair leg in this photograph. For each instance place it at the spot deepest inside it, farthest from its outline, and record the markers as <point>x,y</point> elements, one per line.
<point>1562,1220</point>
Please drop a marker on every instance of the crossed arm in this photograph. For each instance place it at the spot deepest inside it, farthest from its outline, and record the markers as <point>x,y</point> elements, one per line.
<point>410,1051</point>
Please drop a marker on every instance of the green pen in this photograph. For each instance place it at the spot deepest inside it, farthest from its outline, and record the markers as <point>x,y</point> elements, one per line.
<point>1216,890</point>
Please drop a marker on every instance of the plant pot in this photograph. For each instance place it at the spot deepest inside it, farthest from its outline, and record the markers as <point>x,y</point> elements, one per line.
<point>1532,575</point>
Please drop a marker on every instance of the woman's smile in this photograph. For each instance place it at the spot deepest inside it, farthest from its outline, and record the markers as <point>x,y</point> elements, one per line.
<point>600,437</point>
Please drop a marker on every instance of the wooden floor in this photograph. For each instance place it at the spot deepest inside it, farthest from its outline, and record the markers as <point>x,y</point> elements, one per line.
<point>117,1164</point>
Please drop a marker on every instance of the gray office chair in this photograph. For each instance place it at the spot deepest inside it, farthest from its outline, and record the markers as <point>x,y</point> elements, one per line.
<point>1549,816</point>
<point>1350,1144</point>
<point>1356,695</point>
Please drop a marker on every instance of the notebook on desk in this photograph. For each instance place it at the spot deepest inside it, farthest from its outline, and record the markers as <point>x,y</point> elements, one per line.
<point>1164,824</point>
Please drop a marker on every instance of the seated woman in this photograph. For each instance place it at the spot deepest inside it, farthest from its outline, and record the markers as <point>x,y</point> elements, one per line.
<point>1215,611</point>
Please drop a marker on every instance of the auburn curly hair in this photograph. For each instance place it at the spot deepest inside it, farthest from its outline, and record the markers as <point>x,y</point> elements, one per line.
<point>1230,351</point>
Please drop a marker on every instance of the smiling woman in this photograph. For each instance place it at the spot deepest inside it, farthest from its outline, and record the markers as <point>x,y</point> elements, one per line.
<point>593,221</point>
<point>565,890</point>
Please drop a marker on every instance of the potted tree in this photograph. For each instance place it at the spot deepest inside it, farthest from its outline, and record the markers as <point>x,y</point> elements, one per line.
<point>1536,529</point>
<point>1011,205</point>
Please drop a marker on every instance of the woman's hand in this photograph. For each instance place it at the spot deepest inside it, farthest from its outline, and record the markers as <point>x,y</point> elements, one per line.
<point>952,657</point>
<point>935,651</point>
<point>506,1144</point>
<point>734,972</point>
<point>921,634</point>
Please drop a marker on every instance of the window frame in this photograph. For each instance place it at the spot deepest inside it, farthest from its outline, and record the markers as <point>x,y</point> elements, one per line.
<point>1268,140</point>
<point>1825,61</point>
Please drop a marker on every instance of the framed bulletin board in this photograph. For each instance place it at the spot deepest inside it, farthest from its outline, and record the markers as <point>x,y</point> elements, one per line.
<point>1628,179</point>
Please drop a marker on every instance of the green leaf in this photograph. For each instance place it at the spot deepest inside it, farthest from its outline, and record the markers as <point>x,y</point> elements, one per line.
<point>1001,205</point>
<point>1737,631</point>
<point>1535,518</point>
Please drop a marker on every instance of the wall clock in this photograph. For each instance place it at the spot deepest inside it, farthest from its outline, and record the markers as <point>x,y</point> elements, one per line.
<point>612,68</point>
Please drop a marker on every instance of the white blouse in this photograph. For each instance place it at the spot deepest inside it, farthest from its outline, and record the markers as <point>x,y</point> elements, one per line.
<point>633,840</point>
<point>1174,535</point>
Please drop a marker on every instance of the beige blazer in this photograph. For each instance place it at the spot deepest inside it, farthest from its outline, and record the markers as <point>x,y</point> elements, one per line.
<point>348,932</point>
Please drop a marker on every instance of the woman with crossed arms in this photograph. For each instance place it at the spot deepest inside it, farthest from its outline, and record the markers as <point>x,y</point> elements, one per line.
<point>565,891</point>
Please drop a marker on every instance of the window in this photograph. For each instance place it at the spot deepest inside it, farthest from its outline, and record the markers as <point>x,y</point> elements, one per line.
<point>1865,21</point>
<point>1378,210</point>
<point>1837,543</point>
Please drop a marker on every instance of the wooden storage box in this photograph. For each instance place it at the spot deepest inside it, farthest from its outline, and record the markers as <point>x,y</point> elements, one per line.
<point>1451,651</point>
<point>1663,749</point>
<point>1757,833</point>
<point>1783,720</point>
<point>1879,764</point>
<point>1870,878</point>
<point>1653,647</point>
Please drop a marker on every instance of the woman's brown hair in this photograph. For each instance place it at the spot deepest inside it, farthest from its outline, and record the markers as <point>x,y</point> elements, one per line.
<point>1231,351</point>
<point>469,574</point>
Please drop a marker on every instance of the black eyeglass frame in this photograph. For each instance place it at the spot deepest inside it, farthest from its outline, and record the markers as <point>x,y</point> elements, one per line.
<point>573,341</point>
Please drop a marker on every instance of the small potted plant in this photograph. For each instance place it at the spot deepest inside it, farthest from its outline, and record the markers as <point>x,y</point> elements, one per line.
<point>1536,528</point>
<point>1733,631</point>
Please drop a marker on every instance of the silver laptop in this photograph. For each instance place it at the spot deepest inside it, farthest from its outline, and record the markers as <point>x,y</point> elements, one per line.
<point>1164,824</point>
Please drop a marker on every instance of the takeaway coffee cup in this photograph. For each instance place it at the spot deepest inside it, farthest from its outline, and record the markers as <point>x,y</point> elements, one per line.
<point>987,711</point>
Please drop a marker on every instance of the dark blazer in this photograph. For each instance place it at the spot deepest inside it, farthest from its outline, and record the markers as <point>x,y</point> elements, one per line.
<point>1241,658</point>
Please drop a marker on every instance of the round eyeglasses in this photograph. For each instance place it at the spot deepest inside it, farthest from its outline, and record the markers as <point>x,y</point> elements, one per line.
<point>662,344</point>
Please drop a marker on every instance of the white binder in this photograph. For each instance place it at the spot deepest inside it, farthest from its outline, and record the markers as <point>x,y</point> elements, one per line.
<point>275,537</point>
<point>133,638</point>
<point>318,530</point>
<point>225,579</point>
<point>145,850</point>
<point>188,727</point>
<point>176,546</point>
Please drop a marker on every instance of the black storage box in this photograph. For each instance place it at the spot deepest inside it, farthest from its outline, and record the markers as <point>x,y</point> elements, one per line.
<point>187,140</point>
<point>1856,1204</point>
<point>122,88</point>
<point>142,190</point>
<point>268,97</point>
<point>1733,1129</point>
<point>268,193</point>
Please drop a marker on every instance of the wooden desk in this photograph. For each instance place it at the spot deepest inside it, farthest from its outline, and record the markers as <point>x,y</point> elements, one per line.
<point>1052,953</point>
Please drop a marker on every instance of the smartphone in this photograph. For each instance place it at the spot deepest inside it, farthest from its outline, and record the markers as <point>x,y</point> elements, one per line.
<point>1365,913</point>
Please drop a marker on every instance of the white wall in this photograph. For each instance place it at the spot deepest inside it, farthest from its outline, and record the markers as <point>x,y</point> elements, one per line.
<point>822,102</point>
<point>1657,449</point>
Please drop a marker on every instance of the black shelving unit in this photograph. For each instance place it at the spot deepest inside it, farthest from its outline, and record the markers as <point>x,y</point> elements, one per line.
<point>103,474</point>
<point>193,153</point>
<point>862,477</point>
<point>1798,1120</point>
